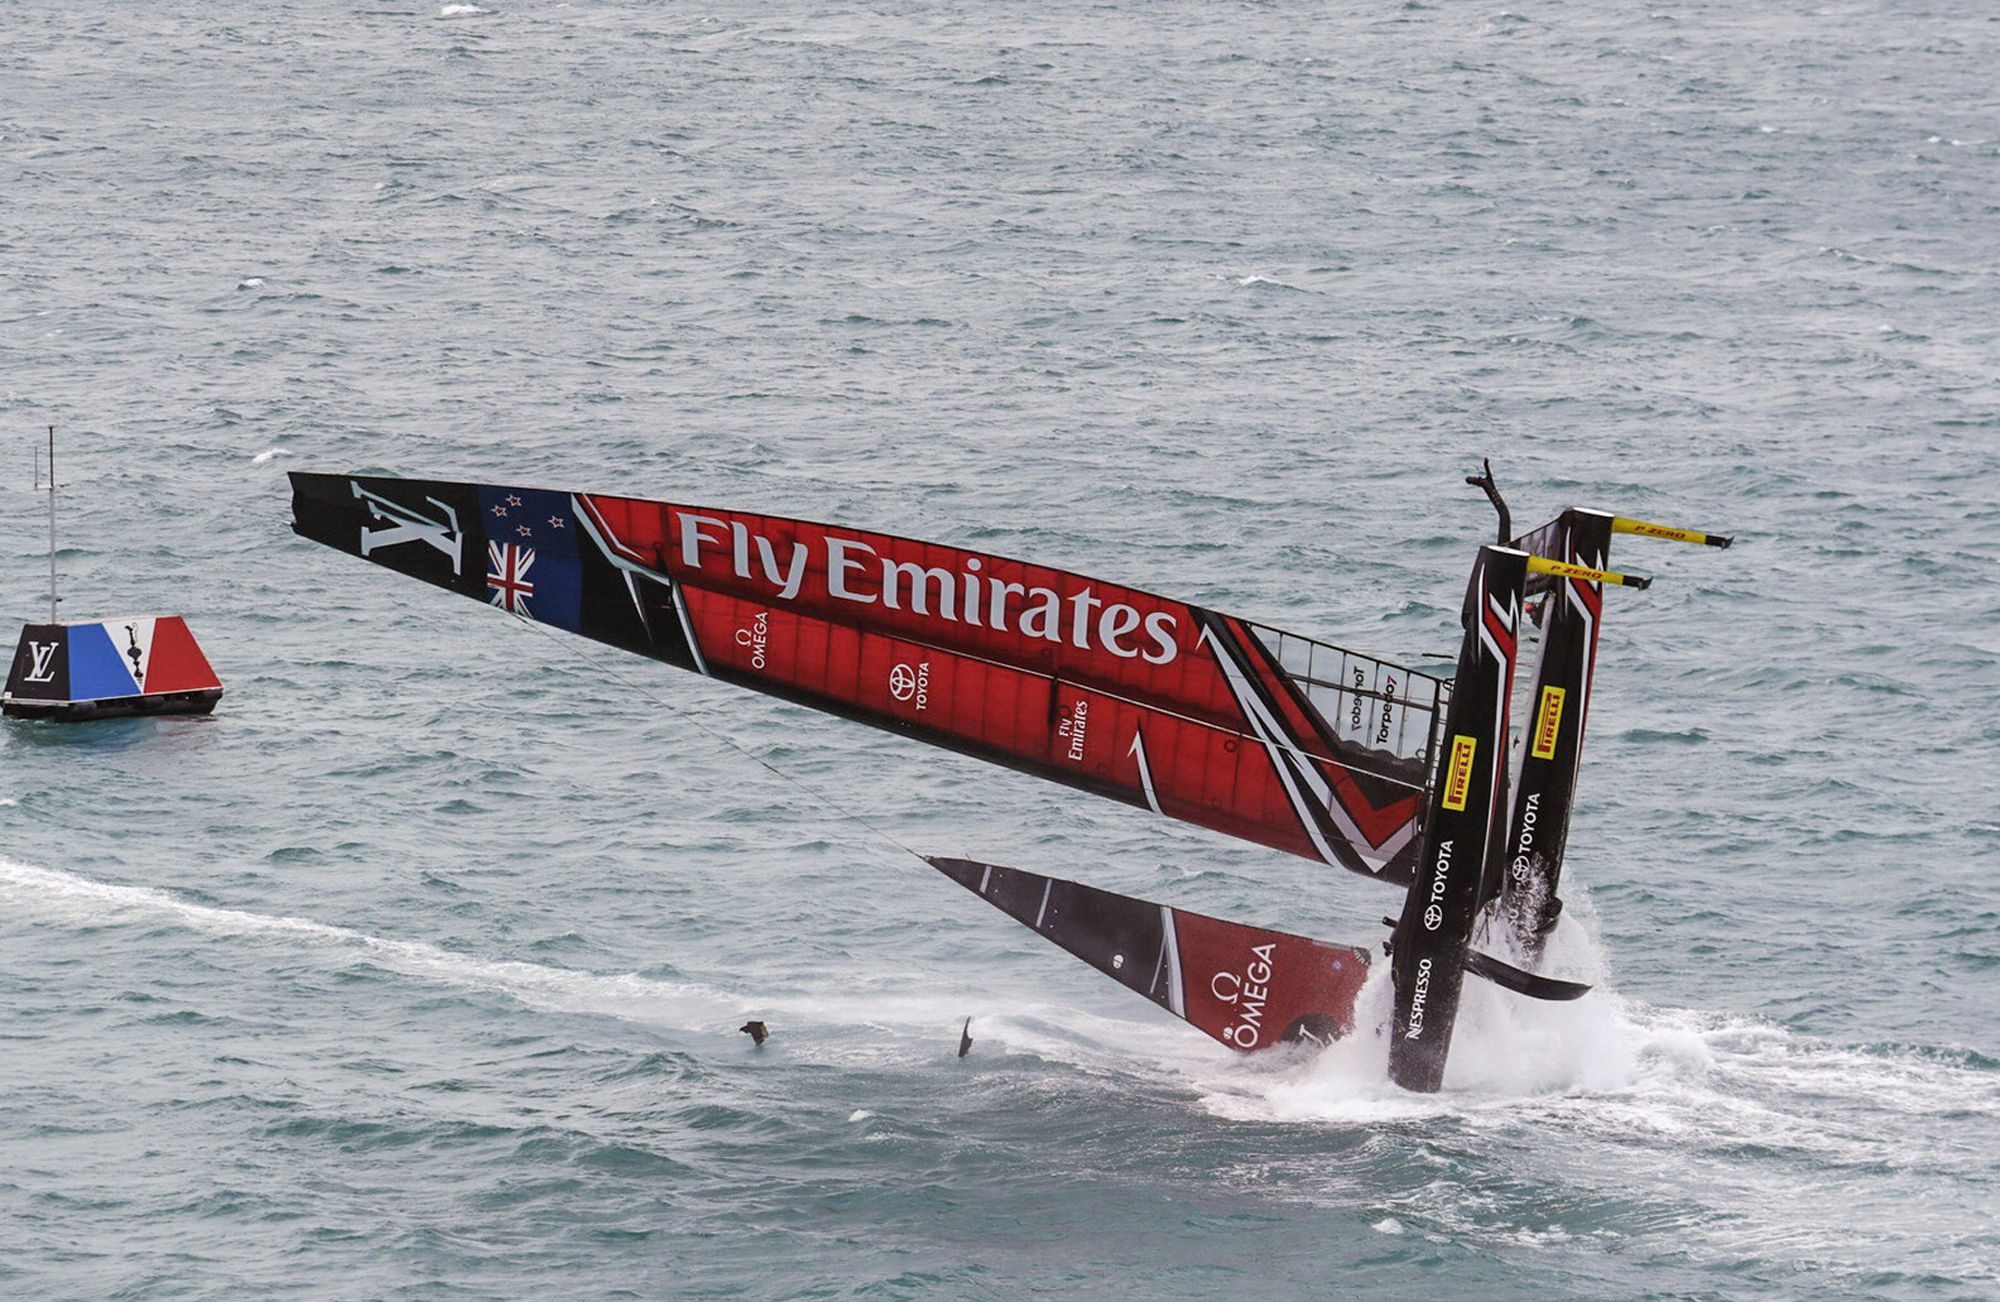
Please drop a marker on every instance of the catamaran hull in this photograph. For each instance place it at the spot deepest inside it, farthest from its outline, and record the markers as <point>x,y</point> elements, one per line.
<point>1193,714</point>
<point>1528,870</point>
<point>1464,825</point>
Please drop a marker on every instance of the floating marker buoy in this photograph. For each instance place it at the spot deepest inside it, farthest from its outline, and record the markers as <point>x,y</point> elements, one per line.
<point>108,668</point>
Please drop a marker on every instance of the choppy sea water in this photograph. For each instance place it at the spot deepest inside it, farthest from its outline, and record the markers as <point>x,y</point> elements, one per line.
<point>415,971</point>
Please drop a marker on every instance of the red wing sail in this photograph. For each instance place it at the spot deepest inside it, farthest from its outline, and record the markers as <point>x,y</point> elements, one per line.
<point>1198,716</point>
<point>1247,987</point>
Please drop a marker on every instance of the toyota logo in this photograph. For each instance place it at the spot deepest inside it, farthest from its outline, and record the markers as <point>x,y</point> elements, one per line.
<point>1433,917</point>
<point>902,683</point>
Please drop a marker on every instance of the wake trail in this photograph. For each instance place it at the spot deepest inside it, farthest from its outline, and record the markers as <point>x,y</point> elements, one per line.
<point>1602,1064</point>
<point>57,894</point>
<point>26,888</point>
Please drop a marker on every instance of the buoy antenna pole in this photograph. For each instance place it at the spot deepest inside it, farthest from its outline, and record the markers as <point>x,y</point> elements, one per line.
<point>54,600</point>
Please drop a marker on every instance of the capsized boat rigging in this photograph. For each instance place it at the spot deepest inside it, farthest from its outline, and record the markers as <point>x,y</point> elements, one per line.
<point>1197,715</point>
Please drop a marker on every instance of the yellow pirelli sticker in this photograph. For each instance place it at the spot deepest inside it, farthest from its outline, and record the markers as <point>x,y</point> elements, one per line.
<point>1548,722</point>
<point>1458,773</point>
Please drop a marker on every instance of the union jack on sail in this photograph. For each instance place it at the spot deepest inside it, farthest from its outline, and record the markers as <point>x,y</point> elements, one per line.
<point>507,575</point>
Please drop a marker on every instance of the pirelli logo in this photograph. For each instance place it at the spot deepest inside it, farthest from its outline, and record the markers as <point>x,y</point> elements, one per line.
<point>1548,722</point>
<point>1458,772</point>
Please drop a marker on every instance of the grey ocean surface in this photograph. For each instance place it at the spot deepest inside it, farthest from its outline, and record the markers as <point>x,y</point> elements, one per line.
<point>416,971</point>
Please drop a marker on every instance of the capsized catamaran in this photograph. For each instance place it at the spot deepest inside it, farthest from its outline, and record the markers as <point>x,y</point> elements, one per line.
<point>1196,715</point>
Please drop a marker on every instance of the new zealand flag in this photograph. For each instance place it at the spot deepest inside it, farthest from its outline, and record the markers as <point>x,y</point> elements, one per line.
<point>532,567</point>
